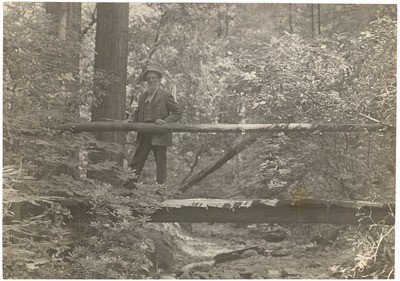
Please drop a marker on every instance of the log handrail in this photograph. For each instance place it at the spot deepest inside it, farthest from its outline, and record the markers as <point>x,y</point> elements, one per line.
<point>221,128</point>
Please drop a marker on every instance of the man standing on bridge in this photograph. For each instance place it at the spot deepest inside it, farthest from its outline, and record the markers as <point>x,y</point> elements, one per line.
<point>155,106</point>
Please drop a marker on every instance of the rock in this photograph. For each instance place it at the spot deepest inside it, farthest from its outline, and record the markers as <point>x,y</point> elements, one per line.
<point>198,266</point>
<point>274,274</point>
<point>314,264</point>
<point>326,237</point>
<point>311,247</point>
<point>299,255</point>
<point>200,275</point>
<point>255,276</point>
<point>249,253</point>
<point>229,274</point>
<point>239,241</point>
<point>195,267</point>
<point>259,269</point>
<point>185,275</point>
<point>289,272</point>
<point>213,275</point>
<point>280,253</point>
<point>251,226</point>
<point>241,268</point>
<point>234,255</point>
<point>247,275</point>
<point>276,236</point>
<point>223,257</point>
<point>167,277</point>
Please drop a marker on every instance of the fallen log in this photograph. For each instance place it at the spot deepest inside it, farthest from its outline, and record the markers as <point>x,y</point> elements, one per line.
<point>237,254</point>
<point>274,211</point>
<point>233,151</point>
<point>220,128</point>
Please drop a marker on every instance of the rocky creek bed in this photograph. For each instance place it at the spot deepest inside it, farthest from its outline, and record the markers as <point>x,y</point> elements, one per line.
<point>266,251</point>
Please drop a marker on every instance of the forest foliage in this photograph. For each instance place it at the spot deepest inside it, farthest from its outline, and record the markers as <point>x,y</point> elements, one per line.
<point>225,63</point>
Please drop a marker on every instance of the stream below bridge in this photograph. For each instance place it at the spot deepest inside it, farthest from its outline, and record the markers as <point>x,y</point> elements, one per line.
<point>263,251</point>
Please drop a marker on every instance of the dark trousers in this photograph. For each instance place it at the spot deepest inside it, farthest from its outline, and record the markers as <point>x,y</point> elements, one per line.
<point>141,154</point>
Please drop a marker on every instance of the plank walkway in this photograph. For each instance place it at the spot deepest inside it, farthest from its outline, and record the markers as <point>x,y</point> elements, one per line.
<point>274,211</point>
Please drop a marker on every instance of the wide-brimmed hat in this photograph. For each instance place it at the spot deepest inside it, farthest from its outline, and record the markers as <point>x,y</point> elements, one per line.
<point>152,68</point>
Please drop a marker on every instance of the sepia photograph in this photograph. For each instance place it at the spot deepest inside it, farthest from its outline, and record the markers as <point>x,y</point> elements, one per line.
<point>199,140</point>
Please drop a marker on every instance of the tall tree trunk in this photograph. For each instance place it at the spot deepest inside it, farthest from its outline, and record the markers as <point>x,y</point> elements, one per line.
<point>312,20</point>
<point>218,163</point>
<point>110,67</point>
<point>319,18</point>
<point>67,27</point>
<point>290,18</point>
<point>226,19</point>
<point>67,18</point>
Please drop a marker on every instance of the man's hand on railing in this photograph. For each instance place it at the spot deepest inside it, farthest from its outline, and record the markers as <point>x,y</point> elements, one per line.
<point>160,122</point>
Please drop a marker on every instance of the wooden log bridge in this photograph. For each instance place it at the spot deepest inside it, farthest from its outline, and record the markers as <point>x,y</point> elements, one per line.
<point>274,211</point>
<point>220,128</point>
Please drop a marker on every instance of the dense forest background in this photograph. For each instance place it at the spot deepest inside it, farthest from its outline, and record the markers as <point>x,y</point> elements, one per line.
<point>224,63</point>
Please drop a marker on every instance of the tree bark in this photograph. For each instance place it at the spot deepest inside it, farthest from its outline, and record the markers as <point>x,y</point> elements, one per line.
<point>290,19</point>
<point>218,163</point>
<point>110,67</point>
<point>226,19</point>
<point>319,19</point>
<point>222,128</point>
<point>312,20</point>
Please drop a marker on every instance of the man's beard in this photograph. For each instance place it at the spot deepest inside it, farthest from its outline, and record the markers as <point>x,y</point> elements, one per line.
<point>152,88</point>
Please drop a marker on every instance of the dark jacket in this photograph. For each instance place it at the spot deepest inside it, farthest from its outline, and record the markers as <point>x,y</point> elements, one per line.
<point>164,107</point>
